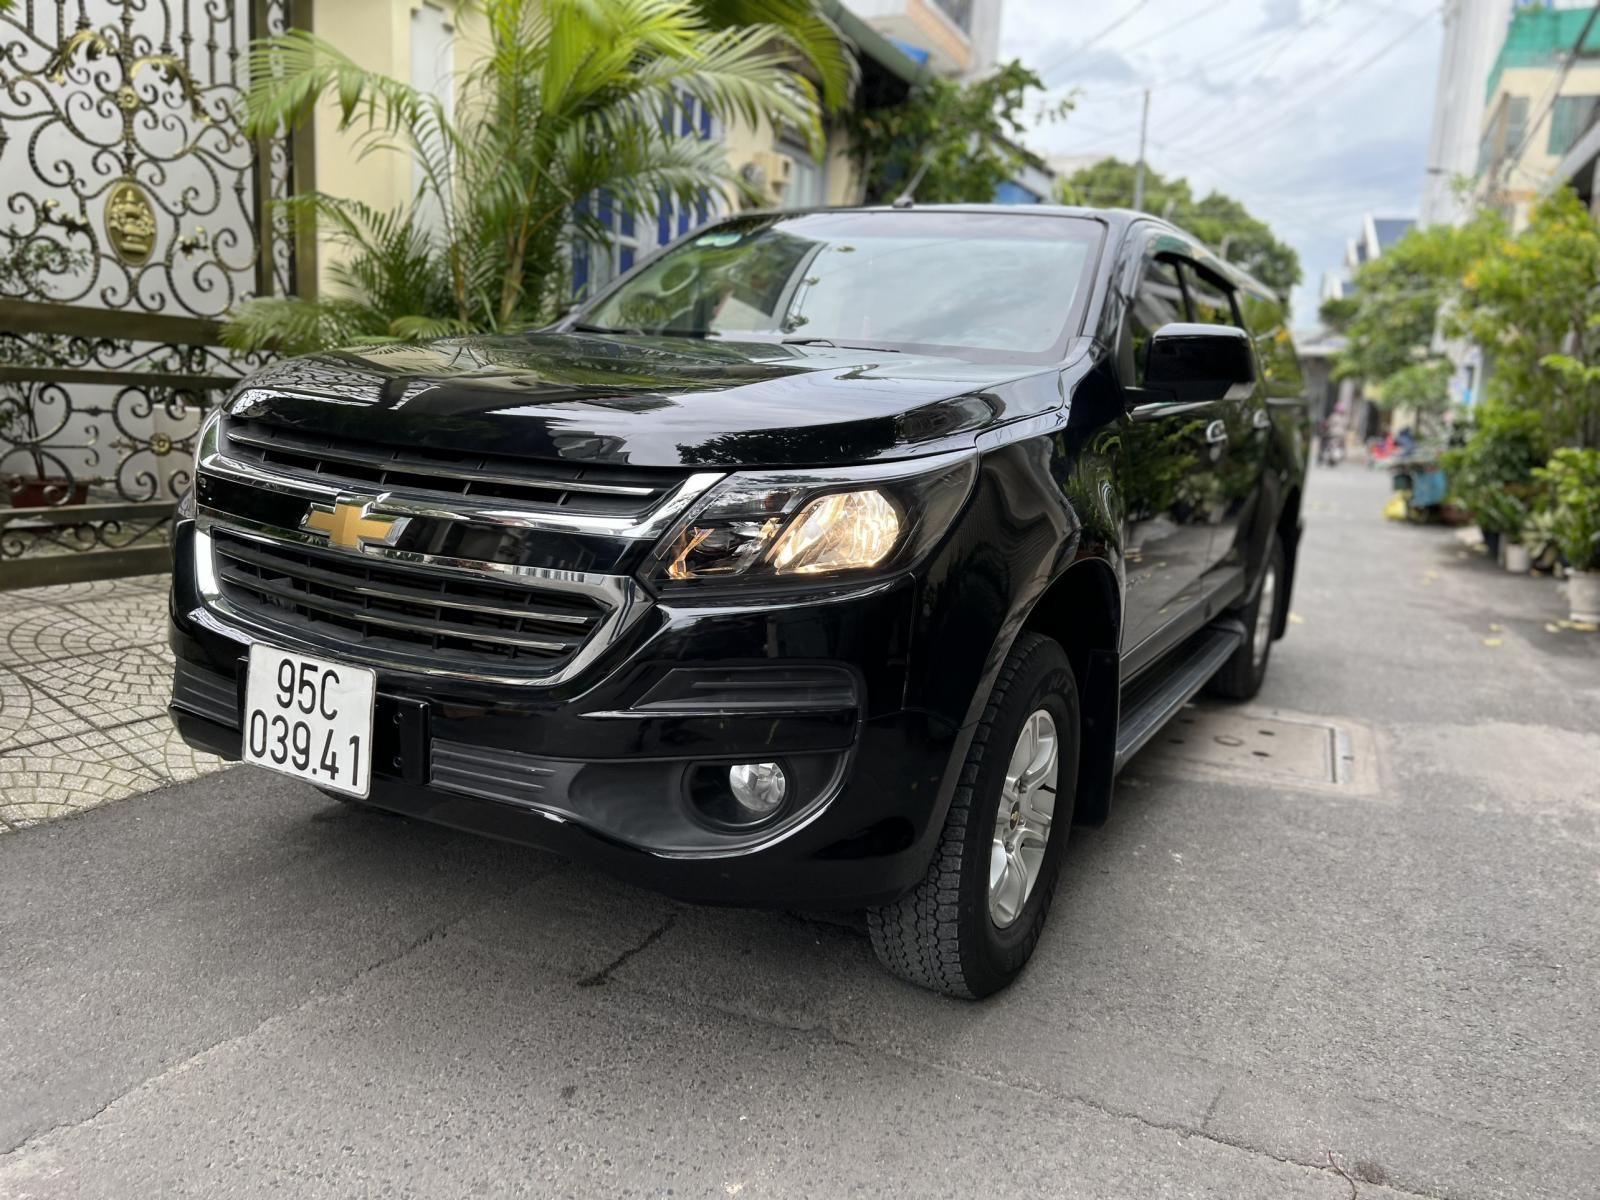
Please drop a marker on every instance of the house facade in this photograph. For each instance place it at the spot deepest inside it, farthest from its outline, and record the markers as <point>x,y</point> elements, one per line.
<point>958,39</point>
<point>429,42</point>
<point>1541,95</point>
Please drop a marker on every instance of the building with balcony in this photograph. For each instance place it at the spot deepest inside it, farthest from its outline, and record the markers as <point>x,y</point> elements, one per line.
<point>1537,106</point>
<point>955,38</point>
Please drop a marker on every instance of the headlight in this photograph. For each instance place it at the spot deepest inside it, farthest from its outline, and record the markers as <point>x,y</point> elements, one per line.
<point>795,526</point>
<point>203,436</point>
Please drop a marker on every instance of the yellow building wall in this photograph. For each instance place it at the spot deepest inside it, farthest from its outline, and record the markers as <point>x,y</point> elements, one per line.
<point>377,35</point>
<point>746,143</point>
<point>1532,171</point>
<point>844,183</point>
<point>942,32</point>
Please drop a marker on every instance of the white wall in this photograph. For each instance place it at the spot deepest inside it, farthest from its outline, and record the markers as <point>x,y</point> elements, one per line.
<point>432,70</point>
<point>1473,32</point>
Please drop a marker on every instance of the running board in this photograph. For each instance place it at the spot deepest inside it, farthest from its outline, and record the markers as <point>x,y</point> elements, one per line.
<point>1152,701</point>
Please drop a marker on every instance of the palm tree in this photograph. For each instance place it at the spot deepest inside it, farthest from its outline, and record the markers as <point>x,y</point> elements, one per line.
<point>570,97</point>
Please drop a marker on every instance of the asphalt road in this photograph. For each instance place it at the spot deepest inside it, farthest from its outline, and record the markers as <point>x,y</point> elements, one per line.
<point>236,988</point>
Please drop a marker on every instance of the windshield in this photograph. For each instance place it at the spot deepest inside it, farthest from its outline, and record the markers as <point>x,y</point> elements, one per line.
<point>967,284</point>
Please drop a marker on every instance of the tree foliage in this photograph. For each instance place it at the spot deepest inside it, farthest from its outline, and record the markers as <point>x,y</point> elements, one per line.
<point>959,136</point>
<point>569,98</point>
<point>1533,303</point>
<point>1529,300</point>
<point>1392,320</point>
<point>1493,473</point>
<point>1216,219</point>
<point>1573,476</point>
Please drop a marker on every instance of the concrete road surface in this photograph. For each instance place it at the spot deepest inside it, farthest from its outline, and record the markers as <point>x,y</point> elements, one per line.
<point>1367,963</point>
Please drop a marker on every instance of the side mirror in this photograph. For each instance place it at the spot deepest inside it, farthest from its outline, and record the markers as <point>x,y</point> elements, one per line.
<point>1194,364</point>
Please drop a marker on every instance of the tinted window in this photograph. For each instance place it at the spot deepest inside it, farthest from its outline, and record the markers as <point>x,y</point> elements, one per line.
<point>1208,302</point>
<point>1158,302</point>
<point>998,286</point>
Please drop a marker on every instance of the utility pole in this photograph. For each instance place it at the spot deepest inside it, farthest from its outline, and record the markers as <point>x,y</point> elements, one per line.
<point>1138,169</point>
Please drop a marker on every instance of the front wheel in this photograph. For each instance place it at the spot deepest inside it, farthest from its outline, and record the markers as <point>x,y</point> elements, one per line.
<point>971,925</point>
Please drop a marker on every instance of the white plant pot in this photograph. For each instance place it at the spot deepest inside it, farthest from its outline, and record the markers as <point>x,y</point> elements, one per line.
<point>1517,560</point>
<point>1583,595</point>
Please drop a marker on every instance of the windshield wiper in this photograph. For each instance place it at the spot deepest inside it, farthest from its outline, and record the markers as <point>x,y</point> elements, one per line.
<point>822,341</point>
<point>633,331</point>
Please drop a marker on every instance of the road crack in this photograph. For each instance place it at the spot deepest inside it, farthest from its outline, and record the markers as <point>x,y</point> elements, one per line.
<point>432,934</point>
<point>601,977</point>
<point>825,1032</point>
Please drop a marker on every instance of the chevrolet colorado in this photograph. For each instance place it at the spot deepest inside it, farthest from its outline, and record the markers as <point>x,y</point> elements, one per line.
<point>826,559</point>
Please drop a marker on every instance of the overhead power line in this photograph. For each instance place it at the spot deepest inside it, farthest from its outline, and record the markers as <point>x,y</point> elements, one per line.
<point>1212,114</point>
<point>1554,93</point>
<point>1094,39</point>
<point>1203,11</point>
<point>1235,53</point>
<point>1286,115</point>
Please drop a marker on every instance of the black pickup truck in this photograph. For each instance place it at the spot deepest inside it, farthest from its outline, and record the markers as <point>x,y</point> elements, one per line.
<point>826,559</point>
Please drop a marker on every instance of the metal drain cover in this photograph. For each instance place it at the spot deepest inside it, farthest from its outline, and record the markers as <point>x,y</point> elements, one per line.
<point>1258,746</point>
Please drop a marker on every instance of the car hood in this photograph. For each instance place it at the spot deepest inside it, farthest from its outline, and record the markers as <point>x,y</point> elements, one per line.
<point>649,401</point>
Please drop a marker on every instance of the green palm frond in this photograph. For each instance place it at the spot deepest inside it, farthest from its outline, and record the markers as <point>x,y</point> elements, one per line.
<point>418,329</point>
<point>568,100</point>
<point>290,325</point>
<point>741,74</point>
<point>816,37</point>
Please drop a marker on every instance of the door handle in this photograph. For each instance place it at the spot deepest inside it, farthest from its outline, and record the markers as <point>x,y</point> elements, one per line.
<point>1216,433</point>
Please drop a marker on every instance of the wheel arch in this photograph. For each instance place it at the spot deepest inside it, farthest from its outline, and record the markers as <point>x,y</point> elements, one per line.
<point>1082,611</point>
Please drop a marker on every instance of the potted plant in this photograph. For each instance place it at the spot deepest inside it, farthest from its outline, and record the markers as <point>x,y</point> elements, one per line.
<point>1514,553</point>
<point>1573,477</point>
<point>1492,474</point>
<point>1539,536</point>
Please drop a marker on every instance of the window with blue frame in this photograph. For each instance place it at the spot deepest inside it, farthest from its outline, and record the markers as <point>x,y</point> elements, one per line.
<point>631,239</point>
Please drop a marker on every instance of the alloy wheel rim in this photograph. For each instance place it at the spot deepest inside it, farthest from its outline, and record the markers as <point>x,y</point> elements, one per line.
<point>1022,823</point>
<point>1261,635</point>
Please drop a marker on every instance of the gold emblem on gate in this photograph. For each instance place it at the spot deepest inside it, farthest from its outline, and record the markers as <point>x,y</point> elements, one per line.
<point>349,525</point>
<point>130,223</point>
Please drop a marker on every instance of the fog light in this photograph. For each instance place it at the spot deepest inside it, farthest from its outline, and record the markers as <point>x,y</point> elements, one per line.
<point>758,787</point>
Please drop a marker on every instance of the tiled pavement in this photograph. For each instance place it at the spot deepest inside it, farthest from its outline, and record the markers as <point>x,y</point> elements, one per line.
<point>84,679</point>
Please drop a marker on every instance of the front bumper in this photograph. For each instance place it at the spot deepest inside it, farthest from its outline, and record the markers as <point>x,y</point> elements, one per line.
<point>601,768</point>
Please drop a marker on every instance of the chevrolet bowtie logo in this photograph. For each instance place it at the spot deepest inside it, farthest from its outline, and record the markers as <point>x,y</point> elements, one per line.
<point>347,524</point>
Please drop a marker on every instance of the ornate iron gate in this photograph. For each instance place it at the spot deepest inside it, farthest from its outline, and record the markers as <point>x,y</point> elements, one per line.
<point>133,214</point>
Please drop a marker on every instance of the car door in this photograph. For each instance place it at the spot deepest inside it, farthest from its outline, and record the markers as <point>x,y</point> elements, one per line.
<point>1166,471</point>
<point>1235,430</point>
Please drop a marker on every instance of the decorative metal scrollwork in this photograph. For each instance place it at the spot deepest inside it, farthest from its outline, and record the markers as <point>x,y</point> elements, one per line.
<point>126,439</point>
<point>127,191</point>
<point>122,157</point>
<point>21,541</point>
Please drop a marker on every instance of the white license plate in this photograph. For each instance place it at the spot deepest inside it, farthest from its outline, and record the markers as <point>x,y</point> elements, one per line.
<point>310,718</point>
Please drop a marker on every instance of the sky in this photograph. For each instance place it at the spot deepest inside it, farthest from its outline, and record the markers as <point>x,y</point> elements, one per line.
<point>1309,112</point>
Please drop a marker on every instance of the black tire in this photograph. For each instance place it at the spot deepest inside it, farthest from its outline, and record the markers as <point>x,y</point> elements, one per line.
<point>940,935</point>
<point>1241,676</point>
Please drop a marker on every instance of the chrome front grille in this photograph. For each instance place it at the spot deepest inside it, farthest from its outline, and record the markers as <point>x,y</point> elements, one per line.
<point>443,476</point>
<point>385,610</point>
<point>447,596</point>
